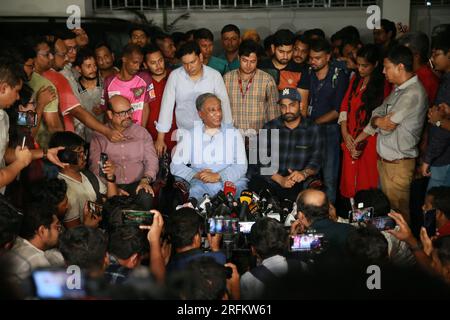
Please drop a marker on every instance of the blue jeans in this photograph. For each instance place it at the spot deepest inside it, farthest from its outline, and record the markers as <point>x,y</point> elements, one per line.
<point>440,176</point>
<point>330,160</point>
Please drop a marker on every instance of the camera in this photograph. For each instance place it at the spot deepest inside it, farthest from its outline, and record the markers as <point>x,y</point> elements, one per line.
<point>27,119</point>
<point>95,209</point>
<point>246,226</point>
<point>306,242</point>
<point>103,159</point>
<point>137,217</point>
<point>361,214</point>
<point>429,222</point>
<point>382,223</point>
<point>220,225</point>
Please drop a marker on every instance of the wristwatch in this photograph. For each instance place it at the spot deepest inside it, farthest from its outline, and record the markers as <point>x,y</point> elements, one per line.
<point>149,180</point>
<point>44,153</point>
<point>438,123</point>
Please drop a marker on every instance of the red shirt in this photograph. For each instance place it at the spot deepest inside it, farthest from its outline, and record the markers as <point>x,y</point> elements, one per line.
<point>155,106</point>
<point>444,230</point>
<point>429,81</point>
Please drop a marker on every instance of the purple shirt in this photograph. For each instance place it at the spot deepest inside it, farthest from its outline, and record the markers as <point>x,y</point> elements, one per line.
<point>134,158</point>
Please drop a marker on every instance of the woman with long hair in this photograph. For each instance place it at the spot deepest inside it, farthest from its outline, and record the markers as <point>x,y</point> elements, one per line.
<point>365,92</point>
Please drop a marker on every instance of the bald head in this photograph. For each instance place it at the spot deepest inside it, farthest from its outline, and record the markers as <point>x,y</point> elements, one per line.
<point>120,112</point>
<point>313,204</point>
<point>118,102</point>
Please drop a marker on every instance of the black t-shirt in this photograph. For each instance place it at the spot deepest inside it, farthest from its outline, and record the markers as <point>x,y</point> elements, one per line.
<point>294,75</point>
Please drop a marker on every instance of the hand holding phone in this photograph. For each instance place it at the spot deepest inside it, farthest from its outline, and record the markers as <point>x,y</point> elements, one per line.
<point>101,165</point>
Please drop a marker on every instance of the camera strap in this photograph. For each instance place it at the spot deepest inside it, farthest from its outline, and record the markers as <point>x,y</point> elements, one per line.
<point>94,182</point>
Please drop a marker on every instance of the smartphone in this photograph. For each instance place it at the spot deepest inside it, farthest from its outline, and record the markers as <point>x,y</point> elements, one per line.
<point>383,223</point>
<point>103,159</point>
<point>27,119</point>
<point>55,284</point>
<point>137,217</point>
<point>429,222</point>
<point>95,209</point>
<point>361,215</point>
<point>246,226</point>
<point>223,225</point>
<point>306,242</point>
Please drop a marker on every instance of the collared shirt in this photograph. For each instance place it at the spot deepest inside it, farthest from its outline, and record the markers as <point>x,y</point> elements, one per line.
<point>296,149</point>
<point>78,193</point>
<point>27,257</point>
<point>327,94</point>
<point>408,103</point>
<point>67,99</point>
<point>138,90</point>
<point>294,75</point>
<point>443,94</point>
<point>4,140</point>
<point>253,102</point>
<point>115,273</point>
<point>134,158</point>
<point>183,91</point>
<point>233,65</point>
<point>223,153</point>
<point>36,83</point>
<point>430,82</point>
<point>218,64</point>
<point>252,287</point>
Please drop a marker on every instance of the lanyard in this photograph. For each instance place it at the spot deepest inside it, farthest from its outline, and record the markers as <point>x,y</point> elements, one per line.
<point>248,85</point>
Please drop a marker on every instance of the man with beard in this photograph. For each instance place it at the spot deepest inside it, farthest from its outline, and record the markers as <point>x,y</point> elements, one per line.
<point>328,86</point>
<point>297,149</point>
<point>301,50</point>
<point>135,158</point>
<point>89,89</point>
<point>131,83</point>
<point>104,57</point>
<point>287,73</point>
<point>231,39</point>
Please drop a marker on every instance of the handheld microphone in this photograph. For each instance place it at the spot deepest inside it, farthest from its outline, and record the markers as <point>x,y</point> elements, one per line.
<point>229,189</point>
<point>245,199</point>
<point>206,199</point>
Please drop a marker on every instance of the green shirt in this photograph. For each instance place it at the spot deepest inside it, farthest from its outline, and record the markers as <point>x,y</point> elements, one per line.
<point>36,83</point>
<point>218,65</point>
<point>233,65</point>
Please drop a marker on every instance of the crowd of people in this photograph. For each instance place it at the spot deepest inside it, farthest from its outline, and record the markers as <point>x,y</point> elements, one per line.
<point>326,126</point>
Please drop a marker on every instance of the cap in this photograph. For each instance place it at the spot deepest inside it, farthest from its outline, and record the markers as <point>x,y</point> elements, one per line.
<point>290,93</point>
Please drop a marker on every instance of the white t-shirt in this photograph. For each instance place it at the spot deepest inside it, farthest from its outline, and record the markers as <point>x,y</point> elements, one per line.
<point>26,258</point>
<point>78,193</point>
<point>4,140</point>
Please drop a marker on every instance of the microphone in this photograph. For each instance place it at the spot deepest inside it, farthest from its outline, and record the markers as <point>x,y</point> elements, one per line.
<point>245,199</point>
<point>230,191</point>
<point>205,200</point>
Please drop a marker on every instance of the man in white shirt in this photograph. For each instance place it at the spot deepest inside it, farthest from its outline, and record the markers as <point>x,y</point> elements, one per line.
<point>182,89</point>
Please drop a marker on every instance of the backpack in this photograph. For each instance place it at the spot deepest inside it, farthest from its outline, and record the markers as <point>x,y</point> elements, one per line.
<point>263,274</point>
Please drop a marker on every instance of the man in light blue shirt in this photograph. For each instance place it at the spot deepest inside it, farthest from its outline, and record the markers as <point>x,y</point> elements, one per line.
<point>183,87</point>
<point>210,153</point>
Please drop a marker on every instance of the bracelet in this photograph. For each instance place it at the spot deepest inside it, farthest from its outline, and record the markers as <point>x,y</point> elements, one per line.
<point>44,153</point>
<point>147,179</point>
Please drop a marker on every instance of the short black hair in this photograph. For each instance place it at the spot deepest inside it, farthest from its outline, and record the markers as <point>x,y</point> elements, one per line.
<point>283,37</point>
<point>26,52</point>
<point>84,246</point>
<point>268,42</point>
<point>67,139</point>
<point>247,47</point>
<point>268,237</point>
<point>401,55</point>
<point>203,33</point>
<point>229,28</point>
<point>49,192</point>
<point>389,26</point>
<point>11,72</point>
<point>374,198</point>
<point>316,32</point>
<point>112,209</point>
<point>131,48</point>
<point>188,48</point>
<point>82,55</point>
<point>418,42</point>
<point>125,241</point>
<point>441,41</point>
<point>151,48</point>
<point>178,37</point>
<point>441,199</point>
<point>35,216</point>
<point>65,34</point>
<point>319,45</point>
<point>203,279</point>
<point>301,38</point>
<point>184,224</point>
<point>103,44</point>
<point>312,212</point>
<point>367,244</point>
<point>138,28</point>
<point>10,221</point>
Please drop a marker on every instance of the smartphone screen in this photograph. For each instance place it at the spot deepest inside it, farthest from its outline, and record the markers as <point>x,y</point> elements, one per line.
<point>27,119</point>
<point>383,223</point>
<point>137,217</point>
<point>95,209</point>
<point>245,226</point>
<point>361,215</point>
<point>306,242</point>
<point>103,159</point>
<point>54,284</point>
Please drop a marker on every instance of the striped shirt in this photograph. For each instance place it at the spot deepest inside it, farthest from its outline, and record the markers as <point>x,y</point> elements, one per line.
<point>253,102</point>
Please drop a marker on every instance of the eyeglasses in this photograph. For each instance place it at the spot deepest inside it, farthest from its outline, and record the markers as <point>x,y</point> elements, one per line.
<point>123,113</point>
<point>45,54</point>
<point>73,49</point>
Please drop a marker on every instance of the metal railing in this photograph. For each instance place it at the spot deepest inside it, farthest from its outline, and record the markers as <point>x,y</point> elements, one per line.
<point>226,4</point>
<point>430,2</point>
